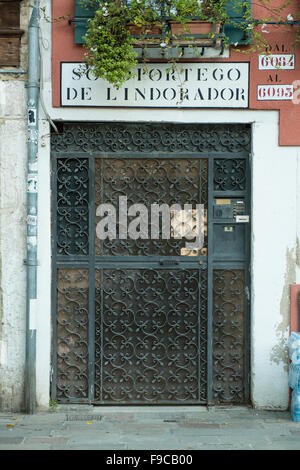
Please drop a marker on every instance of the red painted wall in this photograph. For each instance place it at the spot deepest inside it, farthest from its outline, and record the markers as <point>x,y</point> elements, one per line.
<point>279,37</point>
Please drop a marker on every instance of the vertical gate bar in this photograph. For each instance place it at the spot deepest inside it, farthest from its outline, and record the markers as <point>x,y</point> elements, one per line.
<point>199,290</point>
<point>246,340</point>
<point>199,334</point>
<point>101,283</point>
<point>248,286</point>
<point>91,315</point>
<point>101,335</point>
<point>209,281</point>
<point>54,277</point>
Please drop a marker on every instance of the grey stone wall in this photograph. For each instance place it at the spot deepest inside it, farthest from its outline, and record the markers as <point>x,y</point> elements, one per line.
<point>13,158</point>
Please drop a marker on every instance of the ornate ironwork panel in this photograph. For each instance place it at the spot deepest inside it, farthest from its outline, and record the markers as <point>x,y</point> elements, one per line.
<point>72,206</point>
<point>149,335</point>
<point>228,336</point>
<point>229,174</point>
<point>203,289</point>
<point>139,320</point>
<point>154,137</point>
<point>148,181</point>
<point>72,333</point>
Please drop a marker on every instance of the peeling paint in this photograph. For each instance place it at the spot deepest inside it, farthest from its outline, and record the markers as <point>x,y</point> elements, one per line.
<point>279,353</point>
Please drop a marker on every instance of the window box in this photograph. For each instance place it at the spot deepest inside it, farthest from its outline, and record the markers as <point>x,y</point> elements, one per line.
<point>10,33</point>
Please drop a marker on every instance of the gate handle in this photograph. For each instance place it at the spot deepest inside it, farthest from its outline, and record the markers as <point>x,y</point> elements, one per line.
<point>168,262</point>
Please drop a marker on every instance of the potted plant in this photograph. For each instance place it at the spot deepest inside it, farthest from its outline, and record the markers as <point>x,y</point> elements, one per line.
<point>119,26</point>
<point>196,17</point>
<point>110,38</point>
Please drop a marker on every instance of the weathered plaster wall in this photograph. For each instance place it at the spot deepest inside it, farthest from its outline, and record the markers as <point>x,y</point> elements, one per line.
<point>273,264</point>
<point>13,157</point>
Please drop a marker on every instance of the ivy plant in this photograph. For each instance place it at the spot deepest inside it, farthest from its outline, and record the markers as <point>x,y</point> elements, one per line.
<point>109,41</point>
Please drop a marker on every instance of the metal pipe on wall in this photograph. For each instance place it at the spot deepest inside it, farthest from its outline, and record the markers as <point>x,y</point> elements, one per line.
<point>32,195</point>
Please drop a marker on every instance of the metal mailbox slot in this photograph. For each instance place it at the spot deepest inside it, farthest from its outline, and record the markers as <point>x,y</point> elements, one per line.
<point>229,238</point>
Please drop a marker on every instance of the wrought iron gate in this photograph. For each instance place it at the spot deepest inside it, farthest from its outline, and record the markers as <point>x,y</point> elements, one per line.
<point>141,321</point>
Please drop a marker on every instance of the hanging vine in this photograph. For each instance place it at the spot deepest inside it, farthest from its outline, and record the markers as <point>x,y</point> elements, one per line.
<point>110,40</point>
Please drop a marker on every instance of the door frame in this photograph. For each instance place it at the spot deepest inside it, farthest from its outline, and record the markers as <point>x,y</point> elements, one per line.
<point>210,262</point>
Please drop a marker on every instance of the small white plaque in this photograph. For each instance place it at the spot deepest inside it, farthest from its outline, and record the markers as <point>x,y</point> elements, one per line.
<point>275,92</point>
<point>242,219</point>
<point>276,62</point>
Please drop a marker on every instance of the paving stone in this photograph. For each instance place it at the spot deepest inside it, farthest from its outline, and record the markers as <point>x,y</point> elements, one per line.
<point>156,428</point>
<point>236,426</point>
<point>218,447</point>
<point>277,446</point>
<point>93,440</point>
<point>46,440</point>
<point>11,440</point>
<point>25,447</point>
<point>295,432</point>
<point>98,447</point>
<point>199,425</point>
<point>155,446</point>
<point>200,440</point>
<point>192,431</point>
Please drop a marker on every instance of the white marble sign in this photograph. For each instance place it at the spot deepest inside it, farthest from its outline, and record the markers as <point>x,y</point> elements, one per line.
<point>157,85</point>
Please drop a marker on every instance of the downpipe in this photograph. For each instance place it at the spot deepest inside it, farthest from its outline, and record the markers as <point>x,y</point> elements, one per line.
<point>33,86</point>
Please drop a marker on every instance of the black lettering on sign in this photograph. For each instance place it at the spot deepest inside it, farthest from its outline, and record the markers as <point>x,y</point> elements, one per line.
<point>140,74</point>
<point>139,92</point>
<point>71,93</point>
<point>198,95</point>
<point>108,95</point>
<point>277,48</point>
<point>184,94</point>
<point>202,75</point>
<point>154,94</point>
<point>274,78</point>
<point>155,75</point>
<point>218,74</point>
<point>76,74</point>
<point>169,94</point>
<point>212,94</point>
<point>90,76</point>
<point>186,74</point>
<point>172,74</point>
<point>240,94</point>
<point>227,94</point>
<point>234,75</point>
<point>86,94</point>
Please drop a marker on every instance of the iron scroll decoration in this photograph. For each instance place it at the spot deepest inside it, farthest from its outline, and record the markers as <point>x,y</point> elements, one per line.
<point>150,138</point>
<point>150,342</point>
